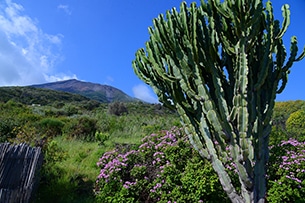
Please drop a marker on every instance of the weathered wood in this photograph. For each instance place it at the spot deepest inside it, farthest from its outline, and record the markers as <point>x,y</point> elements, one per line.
<point>19,165</point>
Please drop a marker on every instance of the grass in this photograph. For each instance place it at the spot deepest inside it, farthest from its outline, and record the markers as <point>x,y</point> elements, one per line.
<point>72,179</point>
<point>81,155</point>
<point>74,176</point>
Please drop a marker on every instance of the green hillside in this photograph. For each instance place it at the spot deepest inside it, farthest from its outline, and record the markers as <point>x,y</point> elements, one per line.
<point>31,95</point>
<point>73,137</point>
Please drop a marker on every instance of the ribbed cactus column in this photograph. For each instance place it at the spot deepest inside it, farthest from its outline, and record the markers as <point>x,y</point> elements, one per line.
<point>221,65</point>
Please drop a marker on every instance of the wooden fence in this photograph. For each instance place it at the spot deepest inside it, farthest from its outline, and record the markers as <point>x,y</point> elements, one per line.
<point>19,165</point>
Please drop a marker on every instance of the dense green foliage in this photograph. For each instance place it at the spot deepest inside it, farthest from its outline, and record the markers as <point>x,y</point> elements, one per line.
<point>287,172</point>
<point>165,168</point>
<point>295,124</point>
<point>74,136</point>
<point>118,108</point>
<point>282,111</point>
<point>69,171</point>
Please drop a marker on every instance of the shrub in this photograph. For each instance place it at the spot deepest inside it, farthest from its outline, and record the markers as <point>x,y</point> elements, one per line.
<point>7,127</point>
<point>89,105</point>
<point>277,135</point>
<point>28,134</point>
<point>51,174</point>
<point>83,128</point>
<point>295,124</point>
<point>287,172</point>
<point>101,137</point>
<point>70,109</point>
<point>117,108</point>
<point>164,168</point>
<point>51,126</point>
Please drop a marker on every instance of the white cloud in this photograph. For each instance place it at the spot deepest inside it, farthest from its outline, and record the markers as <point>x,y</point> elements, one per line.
<point>142,92</point>
<point>60,77</point>
<point>65,8</point>
<point>27,54</point>
<point>55,39</point>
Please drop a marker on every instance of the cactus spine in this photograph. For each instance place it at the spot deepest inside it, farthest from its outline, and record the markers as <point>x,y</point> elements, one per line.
<point>221,65</point>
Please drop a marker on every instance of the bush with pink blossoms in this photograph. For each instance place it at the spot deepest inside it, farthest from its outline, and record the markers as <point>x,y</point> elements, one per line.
<point>163,168</point>
<point>287,172</point>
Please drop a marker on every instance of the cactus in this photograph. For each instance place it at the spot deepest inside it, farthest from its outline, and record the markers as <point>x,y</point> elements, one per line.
<point>221,64</point>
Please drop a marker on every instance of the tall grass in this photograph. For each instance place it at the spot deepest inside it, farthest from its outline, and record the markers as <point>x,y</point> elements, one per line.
<point>69,171</point>
<point>74,176</point>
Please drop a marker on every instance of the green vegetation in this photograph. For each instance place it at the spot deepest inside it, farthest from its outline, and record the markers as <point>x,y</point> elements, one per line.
<point>287,172</point>
<point>165,168</point>
<point>70,171</point>
<point>221,64</point>
<point>37,96</point>
<point>282,110</point>
<point>295,124</point>
<point>73,137</point>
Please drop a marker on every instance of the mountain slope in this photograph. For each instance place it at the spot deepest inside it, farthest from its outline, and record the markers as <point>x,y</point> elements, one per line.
<point>102,93</point>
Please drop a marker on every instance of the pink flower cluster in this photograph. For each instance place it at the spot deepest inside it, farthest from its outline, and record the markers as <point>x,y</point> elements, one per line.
<point>116,166</point>
<point>112,162</point>
<point>294,160</point>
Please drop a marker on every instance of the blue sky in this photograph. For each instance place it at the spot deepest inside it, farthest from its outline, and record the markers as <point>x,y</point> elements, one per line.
<point>96,41</point>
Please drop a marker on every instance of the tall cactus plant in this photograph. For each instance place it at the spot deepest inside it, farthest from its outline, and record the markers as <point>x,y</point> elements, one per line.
<point>221,65</point>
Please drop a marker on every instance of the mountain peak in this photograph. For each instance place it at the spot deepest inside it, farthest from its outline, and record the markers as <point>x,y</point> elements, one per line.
<point>95,91</point>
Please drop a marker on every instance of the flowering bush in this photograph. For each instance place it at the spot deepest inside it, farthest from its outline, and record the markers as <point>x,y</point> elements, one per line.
<point>287,172</point>
<point>164,168</point>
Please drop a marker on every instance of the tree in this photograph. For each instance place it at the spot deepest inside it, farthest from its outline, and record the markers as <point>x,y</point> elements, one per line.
<point>221,65</point>
<point>117,108</point>
<point>282,111</point>
<point>295,125</point>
